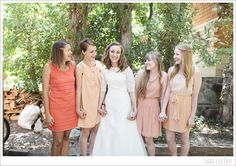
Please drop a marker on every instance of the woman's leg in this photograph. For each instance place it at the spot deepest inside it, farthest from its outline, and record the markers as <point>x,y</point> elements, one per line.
<point>92,138</point>
<point>57,143</point>
<point>184,143</point>
<point>83,141</point>
<point>170,140</point>
<point>150,146</point>
<point>65,143</point>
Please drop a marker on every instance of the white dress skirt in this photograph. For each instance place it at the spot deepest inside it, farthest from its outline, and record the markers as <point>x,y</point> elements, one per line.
<point>118,136</point>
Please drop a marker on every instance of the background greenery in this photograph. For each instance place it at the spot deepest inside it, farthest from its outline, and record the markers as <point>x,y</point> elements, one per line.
<point>29,30</point>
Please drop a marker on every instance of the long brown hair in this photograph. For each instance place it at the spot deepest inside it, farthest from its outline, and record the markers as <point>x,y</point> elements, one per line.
<point>122,62</point>
<point>142,83</point>
<point>187,62</point>
<point>57,52</point>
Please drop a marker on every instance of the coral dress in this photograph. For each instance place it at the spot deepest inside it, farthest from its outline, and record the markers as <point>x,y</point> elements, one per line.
<point>62,98</point>
<point>149,109</point>
<point>180,105</point>
<point>118,136</point>
<point>91,81</point>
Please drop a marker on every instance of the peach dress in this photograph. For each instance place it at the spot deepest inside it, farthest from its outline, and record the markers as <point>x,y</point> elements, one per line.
<point>180,105</point>
<point>91,81</point>
<point>62,98</point>
<point>148,111</point>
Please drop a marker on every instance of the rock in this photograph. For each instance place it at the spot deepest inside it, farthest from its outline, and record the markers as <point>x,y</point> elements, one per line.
<point>28,116</point>
<point>74,134</point>
<point>210,96</point>
<point>47,132</point>
<point>38,126</point>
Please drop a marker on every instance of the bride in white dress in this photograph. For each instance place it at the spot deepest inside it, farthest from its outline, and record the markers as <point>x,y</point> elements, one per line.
<point>117,133</point>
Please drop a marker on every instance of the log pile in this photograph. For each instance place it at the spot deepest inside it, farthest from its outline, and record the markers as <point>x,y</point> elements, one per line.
<point>15,101</point>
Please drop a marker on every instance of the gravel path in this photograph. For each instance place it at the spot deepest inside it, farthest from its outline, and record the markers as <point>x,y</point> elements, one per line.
<point>39,144</point>
<point>36,144</point>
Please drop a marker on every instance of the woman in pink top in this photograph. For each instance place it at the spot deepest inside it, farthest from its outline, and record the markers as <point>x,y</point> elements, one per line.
<point>88,73</point>
<point>150,88</point>
<point>181,96</point>
<point>59,96</point>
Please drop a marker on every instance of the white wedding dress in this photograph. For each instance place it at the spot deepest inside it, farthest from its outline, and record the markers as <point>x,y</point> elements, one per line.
<point>118,136</point>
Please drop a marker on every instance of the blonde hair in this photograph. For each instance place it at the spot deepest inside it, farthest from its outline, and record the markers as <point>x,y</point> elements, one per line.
<point>186,51</point>
<point>142,84</point>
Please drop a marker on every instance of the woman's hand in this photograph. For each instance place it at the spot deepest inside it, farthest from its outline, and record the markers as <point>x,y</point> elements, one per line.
<point>102,111</point>
<point>132,115</point>
<point>162,117</point>
<point>82,114</point>
<point>191,122</point>
<point>49,120</point>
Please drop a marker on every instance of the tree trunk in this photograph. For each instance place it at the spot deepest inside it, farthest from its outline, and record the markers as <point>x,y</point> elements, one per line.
<point>125,20</point>
<point>32,71</point>
<point>78,13</point>
<point>226,110</point>
<point>149,27</point>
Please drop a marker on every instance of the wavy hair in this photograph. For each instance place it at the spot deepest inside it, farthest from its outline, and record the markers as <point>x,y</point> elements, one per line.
<point>187,62</point>
<point>122,62</point>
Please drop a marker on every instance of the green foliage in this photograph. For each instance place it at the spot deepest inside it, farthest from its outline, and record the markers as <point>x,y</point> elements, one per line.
<point>29,29</point>
<point>204,49</point>
<point>103,25</point>
<point>199,122</point>
<point>203,46</point>
<point>209,45</point>
<point>163,30</point>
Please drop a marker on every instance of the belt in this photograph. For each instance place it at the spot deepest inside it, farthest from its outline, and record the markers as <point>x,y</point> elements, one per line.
<point>175,102</point>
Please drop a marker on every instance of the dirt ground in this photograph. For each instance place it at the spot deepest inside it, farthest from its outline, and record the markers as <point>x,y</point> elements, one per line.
<point>39,144</point>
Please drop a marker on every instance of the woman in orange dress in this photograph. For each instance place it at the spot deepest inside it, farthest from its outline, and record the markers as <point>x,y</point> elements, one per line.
<point>150,88</point>
<point>59,96</point>
<point>181,96</point>
<point>88,73</point>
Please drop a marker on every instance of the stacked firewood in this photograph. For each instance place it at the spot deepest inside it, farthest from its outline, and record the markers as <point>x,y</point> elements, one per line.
<point>15,101</point>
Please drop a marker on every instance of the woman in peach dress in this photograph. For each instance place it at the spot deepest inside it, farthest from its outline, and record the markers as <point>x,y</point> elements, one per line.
<point>88,73</point>
<point>59,96</point>
<point>150,88</point>
<point>181,95</point>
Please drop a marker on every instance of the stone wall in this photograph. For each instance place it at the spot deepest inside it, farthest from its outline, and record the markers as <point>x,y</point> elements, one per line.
<point>209,97</point>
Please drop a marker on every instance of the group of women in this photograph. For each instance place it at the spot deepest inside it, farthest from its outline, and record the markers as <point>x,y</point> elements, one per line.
<point>118,113</point>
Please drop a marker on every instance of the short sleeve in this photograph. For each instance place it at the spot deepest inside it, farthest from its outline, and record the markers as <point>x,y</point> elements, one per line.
<point>103,81</point>
<point>130,80</point>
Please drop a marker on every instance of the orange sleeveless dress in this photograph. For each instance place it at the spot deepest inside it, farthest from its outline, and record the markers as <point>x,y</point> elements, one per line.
<point>180,104</point>
<point>148,111</point>
<point>62,98</point>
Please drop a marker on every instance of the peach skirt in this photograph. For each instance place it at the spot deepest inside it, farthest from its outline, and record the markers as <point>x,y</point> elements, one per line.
<point>178,112</point>
<point>147,118</point>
